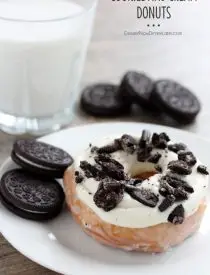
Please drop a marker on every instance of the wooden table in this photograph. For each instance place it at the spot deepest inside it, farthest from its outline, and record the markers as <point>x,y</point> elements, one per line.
<point>111,53</point>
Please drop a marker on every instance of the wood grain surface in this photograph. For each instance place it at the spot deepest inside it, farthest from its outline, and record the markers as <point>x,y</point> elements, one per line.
<point>111,53</point>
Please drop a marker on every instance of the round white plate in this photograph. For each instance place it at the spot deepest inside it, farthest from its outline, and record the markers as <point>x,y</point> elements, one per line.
<point>61,245</point>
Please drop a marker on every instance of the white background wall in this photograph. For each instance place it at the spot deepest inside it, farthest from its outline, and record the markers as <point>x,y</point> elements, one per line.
<point>185,58</point>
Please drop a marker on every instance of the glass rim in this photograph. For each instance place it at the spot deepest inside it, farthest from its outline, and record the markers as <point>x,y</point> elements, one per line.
<point>92,6</point>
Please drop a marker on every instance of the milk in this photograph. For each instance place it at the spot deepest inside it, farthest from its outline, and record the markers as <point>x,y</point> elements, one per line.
<point>42,51</point>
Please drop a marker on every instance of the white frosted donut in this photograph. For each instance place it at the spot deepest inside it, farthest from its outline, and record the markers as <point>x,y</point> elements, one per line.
<point>130,213</point>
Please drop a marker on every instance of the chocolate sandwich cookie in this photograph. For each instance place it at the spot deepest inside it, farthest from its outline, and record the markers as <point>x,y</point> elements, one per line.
<point>29,197</point>
<point>41,158</point>
<point>176,100</point>
<point>103,100</point>
<point>137,88</point>
<point>37,169</point>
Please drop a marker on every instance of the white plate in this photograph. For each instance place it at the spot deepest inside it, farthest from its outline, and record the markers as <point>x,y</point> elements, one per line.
<point>61,245</point>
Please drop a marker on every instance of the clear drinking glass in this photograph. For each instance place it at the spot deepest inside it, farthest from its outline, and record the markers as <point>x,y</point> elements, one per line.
<point>43,45</point>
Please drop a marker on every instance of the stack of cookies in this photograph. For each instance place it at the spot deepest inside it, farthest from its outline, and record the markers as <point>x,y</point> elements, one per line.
<point>31,191</point>
<point>162,96</point>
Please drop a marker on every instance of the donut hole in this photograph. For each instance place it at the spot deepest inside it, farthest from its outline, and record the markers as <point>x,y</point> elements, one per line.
<point>143,171</point>
<point>145,175</point>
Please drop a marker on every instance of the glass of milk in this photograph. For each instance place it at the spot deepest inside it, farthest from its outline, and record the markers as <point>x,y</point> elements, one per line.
<point>43,45</point>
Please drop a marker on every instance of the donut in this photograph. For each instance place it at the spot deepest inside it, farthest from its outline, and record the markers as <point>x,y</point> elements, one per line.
<point>143,193</point>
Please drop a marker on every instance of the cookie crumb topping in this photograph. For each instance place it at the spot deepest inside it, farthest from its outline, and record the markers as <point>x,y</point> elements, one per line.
<point>128,144</point>
<point>202,170</point>
<point>188,157</point>
<point>172,185</point>
<point>143,195</point>
<point>177,215</point>
<point>144,153</point>
<point>160,141</point>
<point>145,139</point>
<point>111,167</point>
<point>92,171</point>
<point>109,195</point>
<point>78,177</point>
<point>154,158</point>
<point>114,182</point>
<point>174,181</point>
<point>166,203</point>
<point>180,167</point>
<point>176,147</point>
<point>111,148</point>
<point>180,194</point>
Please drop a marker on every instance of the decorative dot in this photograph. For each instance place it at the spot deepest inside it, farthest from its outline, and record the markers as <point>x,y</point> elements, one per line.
<point>153,25</point>
<point>158,25</point>
<point>147,25</point>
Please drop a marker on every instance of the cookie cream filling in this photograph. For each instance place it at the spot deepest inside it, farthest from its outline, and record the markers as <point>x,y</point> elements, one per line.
<point>130,212</point>
<point>35,164</point>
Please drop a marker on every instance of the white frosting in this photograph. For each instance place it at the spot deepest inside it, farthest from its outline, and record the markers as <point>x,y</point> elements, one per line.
<point>129,212</point>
